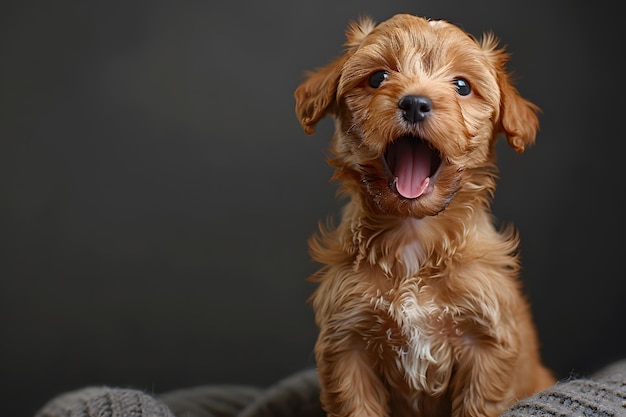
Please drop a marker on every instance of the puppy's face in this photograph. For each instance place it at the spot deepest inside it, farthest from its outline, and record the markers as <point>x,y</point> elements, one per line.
<point>418,105</point>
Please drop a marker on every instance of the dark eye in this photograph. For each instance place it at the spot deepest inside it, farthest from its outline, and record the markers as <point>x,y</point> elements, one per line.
<point>377,78</point>
<point>462,86</point>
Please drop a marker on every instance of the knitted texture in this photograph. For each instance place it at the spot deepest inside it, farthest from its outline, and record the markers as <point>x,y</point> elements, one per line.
<point>105,402</point>
<point>602,396</point>
<point>211,400</point>
<point>297,395</point>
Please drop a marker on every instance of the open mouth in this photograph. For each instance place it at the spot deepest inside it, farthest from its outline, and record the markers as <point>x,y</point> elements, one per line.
<point>412,163</point>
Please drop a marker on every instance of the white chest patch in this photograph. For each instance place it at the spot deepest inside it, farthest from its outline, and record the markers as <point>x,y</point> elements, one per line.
<point>425,358</point>
<point>423,353</point>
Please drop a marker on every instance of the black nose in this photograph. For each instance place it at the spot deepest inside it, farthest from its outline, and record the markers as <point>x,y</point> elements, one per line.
<point>415,108</point>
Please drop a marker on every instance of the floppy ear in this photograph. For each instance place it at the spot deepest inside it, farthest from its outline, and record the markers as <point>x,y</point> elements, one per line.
<point>316,96</point>
<point>518,116</point>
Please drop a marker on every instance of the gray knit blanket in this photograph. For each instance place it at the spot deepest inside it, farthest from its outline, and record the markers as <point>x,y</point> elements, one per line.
<point>603,394</point>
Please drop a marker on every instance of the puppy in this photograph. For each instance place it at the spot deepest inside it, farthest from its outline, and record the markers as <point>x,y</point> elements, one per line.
<point>418,303</point>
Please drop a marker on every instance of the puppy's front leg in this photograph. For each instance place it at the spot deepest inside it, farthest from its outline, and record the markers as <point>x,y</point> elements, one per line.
<point>483,384</point>
<point>350,385</point>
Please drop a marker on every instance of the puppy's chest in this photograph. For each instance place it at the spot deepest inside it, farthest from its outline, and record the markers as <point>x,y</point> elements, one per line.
<point>410,310</point>
<point>416,333</point>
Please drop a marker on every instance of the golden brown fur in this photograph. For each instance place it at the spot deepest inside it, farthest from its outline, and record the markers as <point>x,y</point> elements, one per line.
<point>418,304</point>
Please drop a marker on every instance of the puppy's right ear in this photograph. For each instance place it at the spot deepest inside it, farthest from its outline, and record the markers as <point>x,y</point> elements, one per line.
<point>316,96</point>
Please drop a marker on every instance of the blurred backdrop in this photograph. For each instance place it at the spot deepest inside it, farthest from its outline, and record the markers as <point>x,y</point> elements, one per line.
<point>157,190</point>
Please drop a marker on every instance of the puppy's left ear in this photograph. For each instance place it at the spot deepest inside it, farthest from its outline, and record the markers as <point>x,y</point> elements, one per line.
<point>518,116</point>
<point>316,96</point>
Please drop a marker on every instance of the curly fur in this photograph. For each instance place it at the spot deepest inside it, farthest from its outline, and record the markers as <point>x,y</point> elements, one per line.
<point>418,302</point>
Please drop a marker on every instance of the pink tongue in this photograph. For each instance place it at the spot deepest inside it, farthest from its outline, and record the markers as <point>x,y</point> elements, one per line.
<point>411,168</point>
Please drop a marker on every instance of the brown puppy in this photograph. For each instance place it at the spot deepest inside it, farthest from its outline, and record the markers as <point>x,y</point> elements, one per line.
<point>419,306</point>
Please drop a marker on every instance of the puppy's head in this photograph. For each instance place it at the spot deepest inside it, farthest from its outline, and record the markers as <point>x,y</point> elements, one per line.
<point>419,104</point>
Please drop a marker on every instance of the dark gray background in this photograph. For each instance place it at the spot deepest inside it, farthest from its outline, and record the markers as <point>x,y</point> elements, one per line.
<point>157,189</point>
